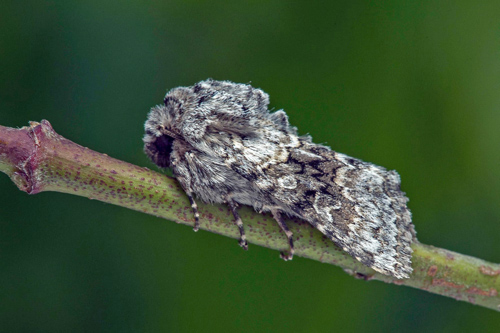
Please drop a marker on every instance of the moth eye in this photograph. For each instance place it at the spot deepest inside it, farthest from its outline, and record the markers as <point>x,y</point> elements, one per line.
<point>159,150</point>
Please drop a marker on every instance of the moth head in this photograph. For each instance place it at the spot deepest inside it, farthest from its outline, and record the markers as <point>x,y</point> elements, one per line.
<point>162,129</point>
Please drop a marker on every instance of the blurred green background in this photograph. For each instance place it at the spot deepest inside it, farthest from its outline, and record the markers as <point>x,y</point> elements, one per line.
<point>409,85</point>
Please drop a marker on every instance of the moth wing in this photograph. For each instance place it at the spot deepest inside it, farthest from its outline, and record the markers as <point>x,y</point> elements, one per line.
<point>356,204</point>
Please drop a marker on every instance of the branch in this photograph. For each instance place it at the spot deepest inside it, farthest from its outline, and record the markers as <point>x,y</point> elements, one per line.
<point>38,159</point>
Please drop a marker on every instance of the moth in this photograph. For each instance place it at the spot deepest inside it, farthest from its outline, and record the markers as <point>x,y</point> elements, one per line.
<point>225,146</point>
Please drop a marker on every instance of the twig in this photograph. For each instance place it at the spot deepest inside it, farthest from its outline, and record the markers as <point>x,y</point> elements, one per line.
<point>38,159</point>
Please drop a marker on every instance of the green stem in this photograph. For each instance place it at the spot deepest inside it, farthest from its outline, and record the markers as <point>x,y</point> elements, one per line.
<point>38,159</point>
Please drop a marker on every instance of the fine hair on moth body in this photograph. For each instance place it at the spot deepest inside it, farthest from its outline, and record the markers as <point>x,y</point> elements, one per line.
<point>225,146</point>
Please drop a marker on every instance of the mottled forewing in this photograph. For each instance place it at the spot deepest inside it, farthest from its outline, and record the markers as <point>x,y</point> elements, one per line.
<point>358,205</point>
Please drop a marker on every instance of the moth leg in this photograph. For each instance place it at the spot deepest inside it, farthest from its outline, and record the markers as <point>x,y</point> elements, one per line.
<point>279,218</point>
<point>194,206</point>
<point>239,223</point>
<point>185,184</point>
